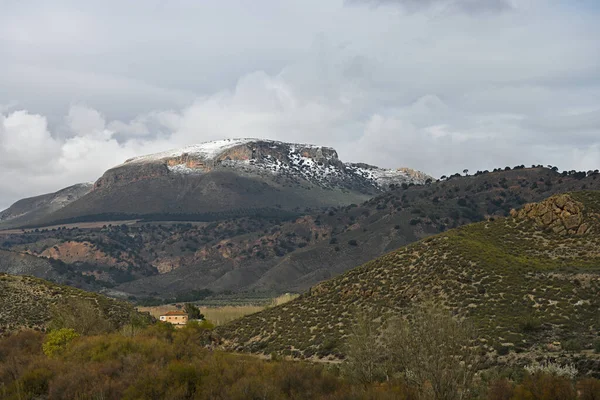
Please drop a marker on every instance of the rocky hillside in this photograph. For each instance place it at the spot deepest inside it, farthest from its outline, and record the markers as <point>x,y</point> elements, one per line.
<point>218,180</point>
<point>267,254</point>
<point>294,255</point>
<point>26,302</point>
<point>28,210</point>
<point>531,279</point>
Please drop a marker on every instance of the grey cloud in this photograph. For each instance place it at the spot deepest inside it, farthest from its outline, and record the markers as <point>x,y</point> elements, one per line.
<point>392,89</point>
<point>469,6</point>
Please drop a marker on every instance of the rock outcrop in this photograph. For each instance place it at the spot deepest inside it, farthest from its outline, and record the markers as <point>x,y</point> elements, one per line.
<point>561,213</point>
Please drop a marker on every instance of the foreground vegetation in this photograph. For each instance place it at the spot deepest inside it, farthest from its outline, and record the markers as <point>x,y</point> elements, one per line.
<point>429,355</point>
<point>161,362</point>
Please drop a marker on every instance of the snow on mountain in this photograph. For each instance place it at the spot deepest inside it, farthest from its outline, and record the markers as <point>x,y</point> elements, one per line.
<point>206,150</point>
<point>318,165</point>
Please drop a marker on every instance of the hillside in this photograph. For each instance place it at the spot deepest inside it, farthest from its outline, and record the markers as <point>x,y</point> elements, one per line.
<point>269,254</point>
<point>294,255</point>
<point>26,302</point>
<point>25,264</point>
<point>221,179</point>
<point>530,279</point>
<point>25,211</point>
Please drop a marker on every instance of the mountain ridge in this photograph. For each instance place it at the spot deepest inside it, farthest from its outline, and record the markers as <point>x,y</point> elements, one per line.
<point>28,209</point>
<point>224,177</point>
<point>154,260</point>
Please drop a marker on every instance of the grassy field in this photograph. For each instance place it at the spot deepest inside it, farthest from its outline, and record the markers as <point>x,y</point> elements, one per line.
<point>220,315</point>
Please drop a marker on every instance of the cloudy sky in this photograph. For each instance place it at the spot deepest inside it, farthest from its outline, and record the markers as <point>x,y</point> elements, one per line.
<point>436,85</point>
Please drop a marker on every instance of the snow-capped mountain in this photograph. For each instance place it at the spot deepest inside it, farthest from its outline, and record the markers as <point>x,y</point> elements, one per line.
<point>229,178</point>
<point>318,165</point>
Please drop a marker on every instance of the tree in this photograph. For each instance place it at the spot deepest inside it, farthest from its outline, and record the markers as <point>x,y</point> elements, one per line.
<point>192,311</point>
<point>81,316</point>
<point>58,340</point>
<point>366,358</point>
<point>435,352</point>
<point>466,171</point>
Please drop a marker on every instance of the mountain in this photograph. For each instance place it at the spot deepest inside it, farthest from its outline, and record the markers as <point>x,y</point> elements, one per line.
<point>236,177</point>
<point>526,280</point>
<point>26,302</point>
<point>268,254</point>
<point>294,255</point>
<point>26,211</point>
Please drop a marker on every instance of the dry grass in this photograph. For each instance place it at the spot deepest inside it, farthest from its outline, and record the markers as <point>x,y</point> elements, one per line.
<point>224,314</point>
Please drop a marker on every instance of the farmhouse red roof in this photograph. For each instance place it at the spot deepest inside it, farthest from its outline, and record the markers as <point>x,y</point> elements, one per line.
<point>170,313</point>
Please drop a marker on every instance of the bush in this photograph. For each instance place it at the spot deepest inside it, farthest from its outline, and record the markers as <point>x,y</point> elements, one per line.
<point>35,382</point>
<point>530,324</point>
<point>543,386</point>
<point>572,345</point>
<point>353,242</point>
<point>500,390</point>
<point>502,350</point>
<point>553,369</point>
<point>597,346</point>
<point>589,389</point>
<point>81,316</point>
<point>57,341</point>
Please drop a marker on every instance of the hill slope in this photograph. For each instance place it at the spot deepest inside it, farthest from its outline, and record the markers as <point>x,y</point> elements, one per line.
<point>530,278</point>
<point>294,255</point>
<point>25,211</point>
<point>264,253</point>
<point>26,302</point>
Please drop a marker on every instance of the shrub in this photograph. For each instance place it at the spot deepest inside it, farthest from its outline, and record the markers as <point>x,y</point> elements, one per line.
<point>572,345</point>
<point>502,350</point>
<point>81,316</point>
<point>597,346</point>
<point>589,389</point>
<point>500,390</point>
<point>530,324</point>
<point>353,242</point>
<point>568,371</point>
<point>35,382</point>
<point>57,341</point>
<point>542,386</point>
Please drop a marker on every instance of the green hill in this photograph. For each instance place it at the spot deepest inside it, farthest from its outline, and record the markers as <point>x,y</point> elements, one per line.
<point>528,279</point>
<point>26,302</point>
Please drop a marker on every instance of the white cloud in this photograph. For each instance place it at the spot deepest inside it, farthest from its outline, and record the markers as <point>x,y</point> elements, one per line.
<point>438,92</point>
